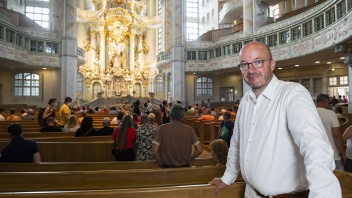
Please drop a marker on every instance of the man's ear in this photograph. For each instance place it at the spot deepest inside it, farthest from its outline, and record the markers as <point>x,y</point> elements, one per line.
<point>272,64</point>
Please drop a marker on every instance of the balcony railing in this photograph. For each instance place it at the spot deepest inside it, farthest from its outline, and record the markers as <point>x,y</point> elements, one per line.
<point>163,58</point>
<point>228,6</point>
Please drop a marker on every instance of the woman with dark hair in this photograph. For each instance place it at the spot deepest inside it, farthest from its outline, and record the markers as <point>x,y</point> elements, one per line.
<point>118,118</point>
<point>49,111</point>
<point>137,108</point>
<point>229,125</point>
<point>124,137</point>
<point>86,128</point>
<point>219,150</point>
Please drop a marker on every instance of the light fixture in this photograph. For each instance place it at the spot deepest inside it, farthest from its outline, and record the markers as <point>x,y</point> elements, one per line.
<point>194,73</point>
<point>328,62</point>
<point>279,68</point>
<point>317,61</point>
<point>342,58</point>
<point>44,68</point>
<point>333,69</point>
<point>296,65</point>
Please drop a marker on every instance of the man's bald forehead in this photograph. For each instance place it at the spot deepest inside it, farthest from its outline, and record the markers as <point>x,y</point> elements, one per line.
<point>256,44</point>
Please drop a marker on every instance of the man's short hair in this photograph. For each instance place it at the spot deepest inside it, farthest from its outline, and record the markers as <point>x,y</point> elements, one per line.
<point>2,110</point>
<point>322,98</point>
<point>15,129</point>
<point>51,100</point>
<point>68,99</point>
<point>144,118</point>
<point>189,106</point>
<point>338,109</point>
<point>50,120</point>
<point>164,102</point>
<point>120,115</point>
<point>13,111</point>
<point>177,112</point>
<point>30,112</point>
<point>151,117</point>
<point>106,122</point>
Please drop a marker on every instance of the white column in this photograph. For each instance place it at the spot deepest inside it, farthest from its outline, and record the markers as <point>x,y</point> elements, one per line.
<point>90,5</point>
<point>93,53</point>
<point>102,53</point>
<point>248,17</point>
<point>69,51</point>
<point>140,50</point>
<point>132,51</point>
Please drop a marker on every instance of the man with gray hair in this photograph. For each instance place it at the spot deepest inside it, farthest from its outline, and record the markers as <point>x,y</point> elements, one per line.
<point>29,116</point>
<point>173,142</point>
<point>106,130</point>
<point>332,129</point>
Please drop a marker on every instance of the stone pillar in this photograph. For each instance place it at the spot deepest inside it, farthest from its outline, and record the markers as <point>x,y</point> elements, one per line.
<point>178,47</point>
<point>93,51</point>
<point>140,52</point>
<point>132,52</point>
<point>69,50</point>
<point>347,50</point>
<point>102,53</point>
<point>247,17</point>
<point>90,5</point>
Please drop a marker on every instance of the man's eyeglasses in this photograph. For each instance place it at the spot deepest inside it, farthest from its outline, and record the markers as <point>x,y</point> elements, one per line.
<point>256,64</point>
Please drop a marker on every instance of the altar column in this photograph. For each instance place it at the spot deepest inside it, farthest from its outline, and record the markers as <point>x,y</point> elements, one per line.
<point>140,52</point>
<point>102,53</point>
<point>132,36</point>
<point>93,49</point>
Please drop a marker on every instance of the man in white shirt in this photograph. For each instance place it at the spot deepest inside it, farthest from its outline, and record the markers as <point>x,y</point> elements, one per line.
<point>2,113</point>
<point>279,144</point>
<point>332,129</point>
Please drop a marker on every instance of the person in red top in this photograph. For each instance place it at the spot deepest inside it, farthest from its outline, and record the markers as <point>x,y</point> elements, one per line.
<point>124,138</point>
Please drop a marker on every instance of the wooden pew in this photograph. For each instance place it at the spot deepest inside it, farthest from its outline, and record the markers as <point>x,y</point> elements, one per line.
<point>31,135</point>
<point>73,151</point>
<point>107,179</point>
<point>235,190</point>
<point>70,138</point>
<point>91,166</point>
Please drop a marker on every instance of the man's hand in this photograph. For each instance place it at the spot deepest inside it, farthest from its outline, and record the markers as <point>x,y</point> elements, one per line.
<point>343,159</point>
<point>219,185</point>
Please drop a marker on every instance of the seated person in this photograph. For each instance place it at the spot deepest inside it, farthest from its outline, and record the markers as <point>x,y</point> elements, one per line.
<point>19,150</point>
<point>212,111</point>
<point>229,125</point>
<point>199,113</point>
<point>29,115</point>
<point>219,150</point>
<point>221,117</point>
<point>118,118</point>
<point>338,111</point>
<point>151,118</point>
<point>207,116</point>
<point>86,128</point>
<point>2,113</point>
<point>23,113</point>
<point>72,124</point>
<point>173,142</point>
<point>106,130</point>
<point>83,114</point>
<point>112,110</point>
<point>145,135</point>
<point>190,109</point>
<point>13,116</point>
<point>50,126</point>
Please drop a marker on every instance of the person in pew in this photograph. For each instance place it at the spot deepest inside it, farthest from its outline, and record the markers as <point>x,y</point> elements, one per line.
<point>207,116</point>
<point>135,120</point>
<point>112,110</point>
<point>219,150</point>
<point>118,118</point>
<point>151,118</point>
<point>29,115</point>
<point>212,111</point>
<point>165,113</point>
<point>23,113</point>
<point>332,128</point>
<point>50,126</point>
<point>19,150</point>
<point>86,128</point>
<point>13,116</point>
<point>2,113</point>
<point>199,113</point>
<point>189,109</point>
<point>145,135</point>
<point>48,112</point>
<point>226,134</point>
<point>65,111</point>
<point>279,143</point>
<point>347,137</point>
<point>221,114</point>
<point>106,130</point>
<point>72,125</point>
<point>338,111</point>
<point>173,142</point>
<point>83,115</point>
<point>124,137</point>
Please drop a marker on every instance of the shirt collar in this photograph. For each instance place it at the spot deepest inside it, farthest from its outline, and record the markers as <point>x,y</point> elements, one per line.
<point>269,91</point>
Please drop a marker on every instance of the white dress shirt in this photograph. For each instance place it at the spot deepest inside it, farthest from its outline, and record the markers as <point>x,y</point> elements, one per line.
<point>279,144</point>
<point>349,148</point>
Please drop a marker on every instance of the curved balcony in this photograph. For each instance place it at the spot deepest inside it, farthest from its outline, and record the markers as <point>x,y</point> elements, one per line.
<point>317,45</point>
<point>163,59</point>
<point>232,9</point>
<point>80,56</point>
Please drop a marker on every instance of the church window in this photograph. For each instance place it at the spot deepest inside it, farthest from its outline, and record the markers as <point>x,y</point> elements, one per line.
<point>159,86</point>
<point>204,87</point>
<point>341,9</point>
<point>296,33</point>
<point>26,84</point>
<point>319,23</point>
<point>202,55</point>
<point>307,28</point>
<point>39,14</point>
<point>272,40</point>
<point>10,36</point>
<point>191,55</point>
<point>79,88</point>
<point>330,16</point>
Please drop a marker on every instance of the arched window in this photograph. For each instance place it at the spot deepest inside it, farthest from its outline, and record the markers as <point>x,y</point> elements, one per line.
<point>169,82</point>
<point>96,89</point>
<point>159,86</point>
<point>137,90</point>
<point>26,84</point>
<point>79,85</point>
<point>204,87</point>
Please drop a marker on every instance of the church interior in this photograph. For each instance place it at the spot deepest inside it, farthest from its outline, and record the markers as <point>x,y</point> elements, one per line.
<point>104,53</point>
